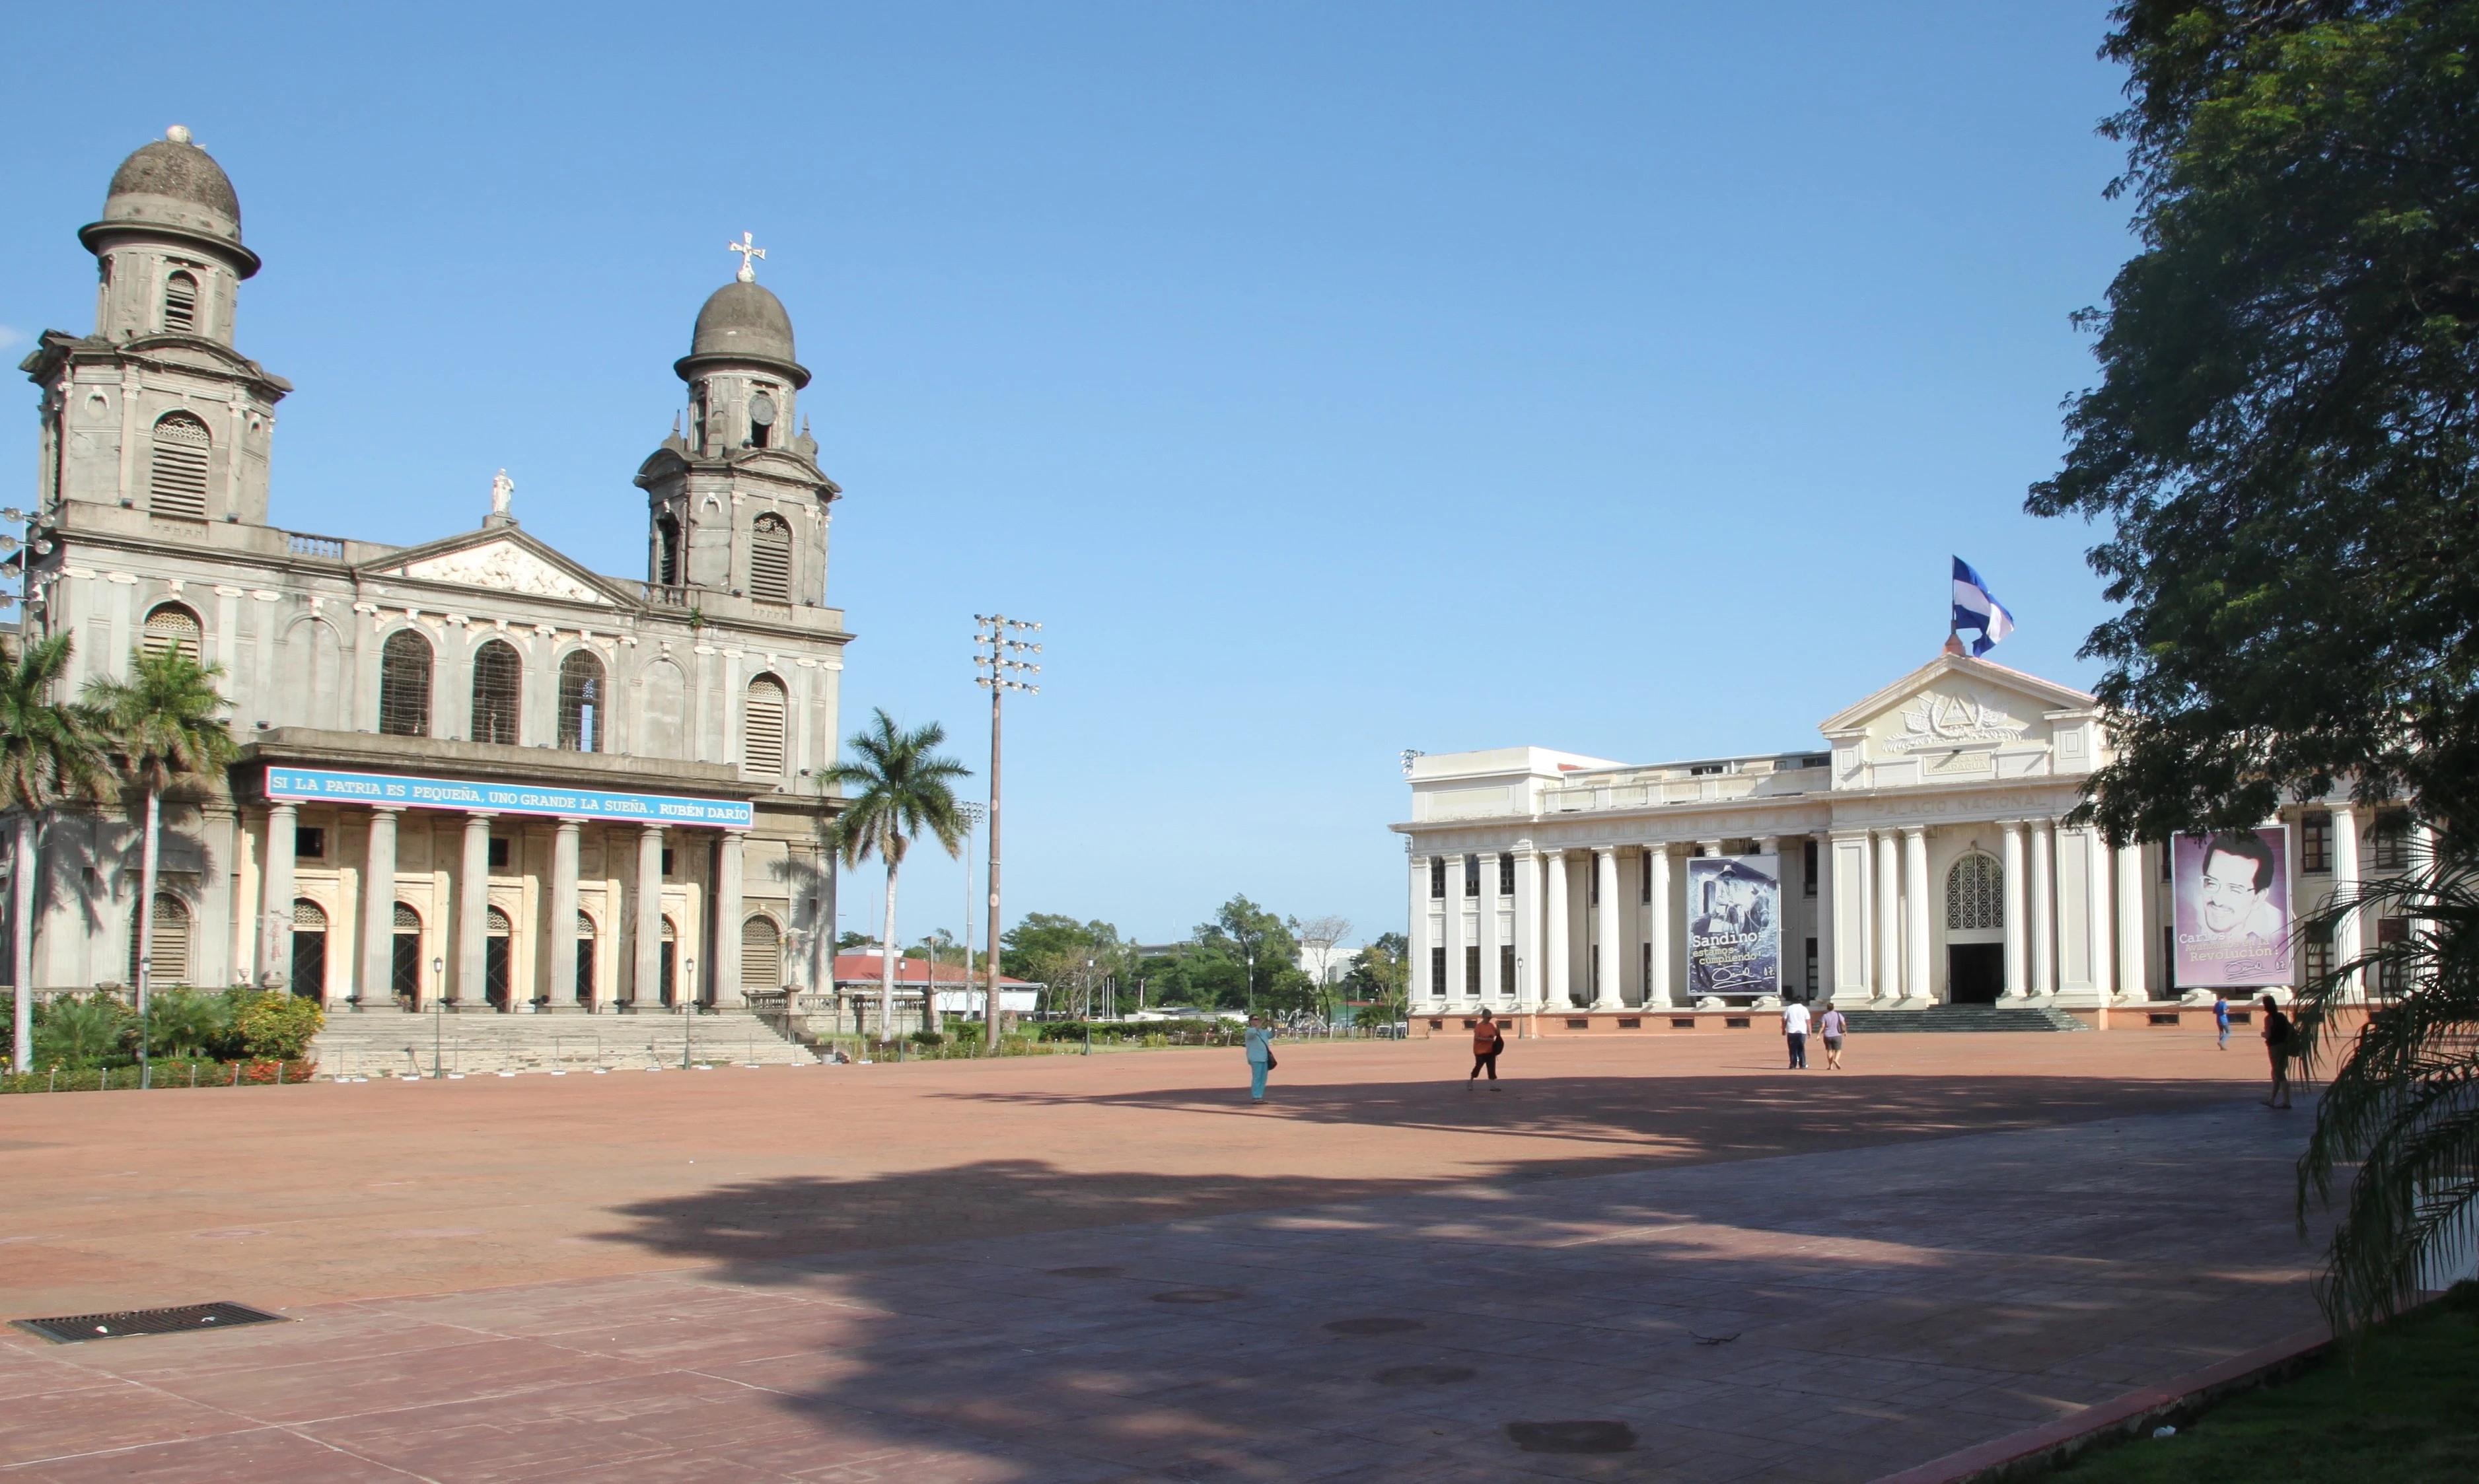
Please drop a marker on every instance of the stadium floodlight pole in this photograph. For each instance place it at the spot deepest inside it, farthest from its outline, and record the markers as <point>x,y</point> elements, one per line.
<point>972,813</point>
<point>999,649</point>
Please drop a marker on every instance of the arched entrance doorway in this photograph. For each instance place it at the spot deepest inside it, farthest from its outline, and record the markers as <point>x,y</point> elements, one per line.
<point>669,974</point>
<point>497,937</point>
<point>309,951</point>
<point>587,991</point>
<point>404,957</point>
<point>1975,931</point>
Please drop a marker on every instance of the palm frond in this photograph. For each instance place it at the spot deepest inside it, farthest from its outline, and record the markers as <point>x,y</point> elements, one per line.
<point>898,790</point>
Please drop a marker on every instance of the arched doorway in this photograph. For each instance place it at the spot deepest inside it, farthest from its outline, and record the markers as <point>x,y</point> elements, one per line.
<point>669,974</point>
<point>587,991</point>
<point>497,935</point>
<point>1975,931</point>
<point>404,957</point>
<point>309,951</point>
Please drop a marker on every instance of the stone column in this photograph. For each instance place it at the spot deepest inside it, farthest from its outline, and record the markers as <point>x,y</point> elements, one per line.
<point>646,989</point>
<point>1917,982</point>
<point>726,926</point>
<point>2043,921</point>
<point>378,915</point>
<point>1889,915</point>
<point>1527,930</point>
<point>2101,942</point>
<point>2018,965</point>
<point>2133,955</point>
<point>2346,937</point>
<point>1659,992</point>
<point>1770,845</point>
<point>472,915</point>
<point>1605,870</point>
<point>561,941</point>
<point>1825,927</point>
<point>1458,993</point>
<point>276,930</point>
<point>1417,988</point>
<point>1557,987</point>
<point>1854,918</point>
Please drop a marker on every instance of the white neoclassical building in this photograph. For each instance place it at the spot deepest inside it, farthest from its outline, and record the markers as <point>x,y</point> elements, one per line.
<point>1923,858</point>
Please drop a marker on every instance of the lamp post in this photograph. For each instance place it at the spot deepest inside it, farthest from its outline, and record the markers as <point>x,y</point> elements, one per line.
<point>997,658</point>
<point>438,1014</point>
<point>688,1010</point>
<point>145,1067</point>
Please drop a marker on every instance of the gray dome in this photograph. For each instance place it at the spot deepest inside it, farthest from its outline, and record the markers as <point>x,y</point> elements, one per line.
<point>172,187</point>
<point>744,322</point>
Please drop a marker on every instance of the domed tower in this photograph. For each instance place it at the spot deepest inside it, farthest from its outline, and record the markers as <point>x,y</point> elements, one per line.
<point>155,411</point>
<point>737,503</point>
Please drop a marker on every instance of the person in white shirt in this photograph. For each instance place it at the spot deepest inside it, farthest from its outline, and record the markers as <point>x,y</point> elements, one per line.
<point>1795,1031</point>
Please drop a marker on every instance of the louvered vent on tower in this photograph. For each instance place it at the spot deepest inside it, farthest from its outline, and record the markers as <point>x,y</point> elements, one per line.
<point>178,485</point>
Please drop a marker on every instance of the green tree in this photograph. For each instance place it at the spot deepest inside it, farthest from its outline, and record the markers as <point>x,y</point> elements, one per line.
<point>48,753</point>
<point>1055,950</point>
<point>905,790</point>
<point>164,725</point>
<point>1379,976</point>
<point>1252,941</point>
<point>2282,452</point>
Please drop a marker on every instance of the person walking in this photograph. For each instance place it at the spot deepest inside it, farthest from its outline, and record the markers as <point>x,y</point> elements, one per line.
<point>1261,1057</point>
<point>2221,1018</point>
<point>1488,1040</point>
<point>1832,1026</point>
<point>2280,1037</point>
<point>1795,1031</point>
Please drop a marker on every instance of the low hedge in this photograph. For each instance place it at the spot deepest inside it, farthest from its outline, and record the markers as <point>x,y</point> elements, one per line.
<point>183,1074</point>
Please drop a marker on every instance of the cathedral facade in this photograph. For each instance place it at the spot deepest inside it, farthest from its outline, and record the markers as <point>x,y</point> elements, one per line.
<point>474,773</point>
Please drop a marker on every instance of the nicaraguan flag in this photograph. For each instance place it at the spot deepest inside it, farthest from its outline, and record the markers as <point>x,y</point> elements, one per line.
<point>1975,607</point>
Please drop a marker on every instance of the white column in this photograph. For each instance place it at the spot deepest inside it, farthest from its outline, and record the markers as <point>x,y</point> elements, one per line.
<point>378,915</point>
<point>2044,937</point>
<point>1557,989</point>
<point>1889,914</point>
<point>1916,978</point>
<point>1416,932</point>
<point>2132,957</point>
<point>1660,993</point>
<point>562,936</point>
<point>275,902</point>
<point>645,990</point>
<point>1527,929</point>
<point>2346,936</point>
<point>727,929</point>
<point>2101,902</point>
<point>1847,876</point>
<point>2018,965</point>
<point>1491,981</point>
<point>1605,868</point>
<point>1458,993</point>
<point>472,914</point>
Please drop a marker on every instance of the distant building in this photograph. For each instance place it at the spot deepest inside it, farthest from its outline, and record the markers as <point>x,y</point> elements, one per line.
<point>858,977</point>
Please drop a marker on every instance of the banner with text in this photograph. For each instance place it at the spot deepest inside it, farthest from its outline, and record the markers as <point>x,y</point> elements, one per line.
<point>2232,906</point>
<point>319,785</point>
<point>1733,924</point>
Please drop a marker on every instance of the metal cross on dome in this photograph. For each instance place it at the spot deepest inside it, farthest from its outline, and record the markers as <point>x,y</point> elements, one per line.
<point>747,250</point>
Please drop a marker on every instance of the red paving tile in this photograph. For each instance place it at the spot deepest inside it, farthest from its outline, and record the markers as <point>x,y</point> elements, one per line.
<point>854,1274</point>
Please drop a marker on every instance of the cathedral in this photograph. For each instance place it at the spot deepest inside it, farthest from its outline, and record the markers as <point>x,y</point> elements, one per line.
<point>473,773</point>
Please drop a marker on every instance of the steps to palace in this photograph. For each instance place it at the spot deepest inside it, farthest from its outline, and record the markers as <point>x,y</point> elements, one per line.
<point>376,1045</point>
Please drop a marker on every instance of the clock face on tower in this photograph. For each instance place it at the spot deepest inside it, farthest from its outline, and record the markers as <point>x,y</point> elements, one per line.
<point>761,410</point>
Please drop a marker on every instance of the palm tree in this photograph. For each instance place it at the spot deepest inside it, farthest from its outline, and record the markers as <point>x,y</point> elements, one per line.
<point>165,721</point>
<point>898,790</point>
<point>47,751</point>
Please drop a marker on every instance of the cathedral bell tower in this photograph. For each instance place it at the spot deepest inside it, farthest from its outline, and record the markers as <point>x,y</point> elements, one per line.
<point>736,502</point>
<point>156,411</point>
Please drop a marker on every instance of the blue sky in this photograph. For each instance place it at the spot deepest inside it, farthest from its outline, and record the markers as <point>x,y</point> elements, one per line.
<point>1329,379</point>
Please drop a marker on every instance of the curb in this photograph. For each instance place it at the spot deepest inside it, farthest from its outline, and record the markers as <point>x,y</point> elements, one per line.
<point>2023,1454</point>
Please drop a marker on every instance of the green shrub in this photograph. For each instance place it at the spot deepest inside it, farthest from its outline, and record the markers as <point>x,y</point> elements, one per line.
<point>927,1039</point>
<point>185,1023</point>
<point>276,1027</point>
<point>85,1031</point>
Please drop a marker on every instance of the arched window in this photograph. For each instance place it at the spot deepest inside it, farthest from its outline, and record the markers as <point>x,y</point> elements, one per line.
<point>667,550</point>
<point>761,728</point>
<point>404,967</point>
<point>667,971</point>
<point>172,627</point>
<point>499,687</point>
<point>761,954</point>
<point>497,932</point>
<point>580,703</point>
<point>1975,894</point>
<point>181,302</point>
<point>170,962</point>
<point>770,560</point>
<point>404,686</point>
<point>586,958</point>
<point>177,483</point>
<point>309,950</point>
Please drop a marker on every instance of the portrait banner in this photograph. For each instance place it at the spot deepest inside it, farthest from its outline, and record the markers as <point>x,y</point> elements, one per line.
<point>2232,907</point>
<point>1733,924</point>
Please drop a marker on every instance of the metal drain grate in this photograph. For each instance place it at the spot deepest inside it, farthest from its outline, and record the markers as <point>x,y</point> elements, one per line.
<point>77,1327</point>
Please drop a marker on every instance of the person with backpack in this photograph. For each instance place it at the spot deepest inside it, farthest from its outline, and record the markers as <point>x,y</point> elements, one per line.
<point>1488,1040</point>
<point>2280,1042</point>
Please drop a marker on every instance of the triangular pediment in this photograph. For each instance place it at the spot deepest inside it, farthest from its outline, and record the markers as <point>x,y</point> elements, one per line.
<point>504,559</point>
<point>1955,718</point>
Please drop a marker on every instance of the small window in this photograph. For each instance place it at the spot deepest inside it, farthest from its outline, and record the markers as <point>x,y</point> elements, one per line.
<point>667,864</point>
<point>169,964</point>
<point>1809,857</point>
<point>761,954</point>
<point>172,627</point>
<point>1811,968</point>
<point>2391,973</point>
<point>1437,971</point>
<point>497,687</point>
<point>309,843</point>
<point>1643,879</point>
<point>697,419</point>
<point>762,729</point>
<point>2389,841</point>
<point>1506,971</point>
<point>580,703</point>
<point>2315,842</point>
<point>498,854</point>
<point>1591,881</point>
<point>176,485</point>
<point>404,686</point>
<point>2316,963</point>
<point>1437,878</point>
<point>1506,876</point>
<point>1705,769</point>
<point>770,560</point>
<point>181,304</point>
<point>1471,877</point>
<point>667,550</point>
<point>1471,971</point>
<point>761,419</point>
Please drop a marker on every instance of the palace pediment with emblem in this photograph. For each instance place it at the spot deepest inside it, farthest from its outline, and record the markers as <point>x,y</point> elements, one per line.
<point>1963,720</point>
<point>502,561</point>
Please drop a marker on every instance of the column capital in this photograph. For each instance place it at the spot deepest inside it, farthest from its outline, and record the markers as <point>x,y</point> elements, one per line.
<point>485,815</point>
<point>568,824</point>
<point>1915,832</point>
<point>650,832</point>
<point>1555,853</point>
<point>387,809</point>
<point>2009,827</point>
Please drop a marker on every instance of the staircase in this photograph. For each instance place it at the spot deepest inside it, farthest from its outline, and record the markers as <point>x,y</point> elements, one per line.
<point>386,1044</point>
<point>1960,1018</point>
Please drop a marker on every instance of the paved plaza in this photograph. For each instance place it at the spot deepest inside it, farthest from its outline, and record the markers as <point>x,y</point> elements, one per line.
<point>1114,1270</point>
